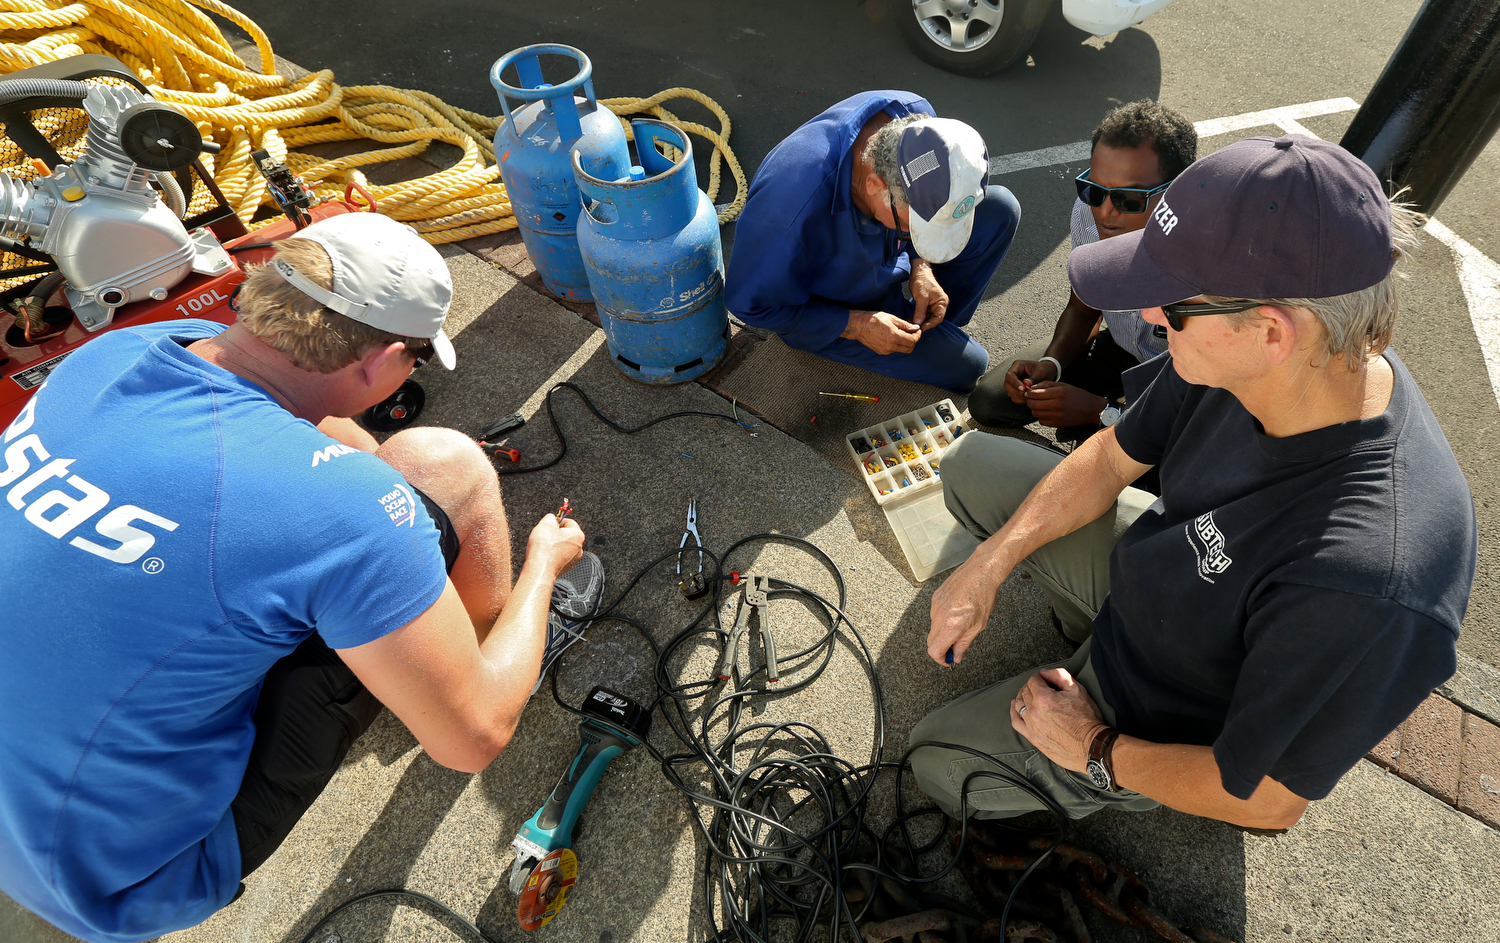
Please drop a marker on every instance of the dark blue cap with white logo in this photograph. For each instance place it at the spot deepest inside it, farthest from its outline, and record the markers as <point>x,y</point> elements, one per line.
<point>944,169</point>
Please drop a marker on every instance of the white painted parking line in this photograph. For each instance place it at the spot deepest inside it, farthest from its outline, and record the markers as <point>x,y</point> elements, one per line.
<point>1480,278</point>
<point>1286,118</point>
<point>1478,274</point>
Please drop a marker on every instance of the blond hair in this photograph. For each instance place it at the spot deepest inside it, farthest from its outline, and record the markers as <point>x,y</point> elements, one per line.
<point>316,338</point>
<point>1356,326</point>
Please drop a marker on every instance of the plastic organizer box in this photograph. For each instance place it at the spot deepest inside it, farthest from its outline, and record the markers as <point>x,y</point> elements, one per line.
<point>901,463</point>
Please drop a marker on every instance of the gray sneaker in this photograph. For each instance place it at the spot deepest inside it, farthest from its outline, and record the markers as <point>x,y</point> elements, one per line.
<point>575,597</point>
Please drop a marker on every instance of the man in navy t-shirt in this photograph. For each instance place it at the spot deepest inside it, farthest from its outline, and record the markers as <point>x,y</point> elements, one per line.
<point>1297,589</point>
<point>869,236</point>
<point>234,578</point>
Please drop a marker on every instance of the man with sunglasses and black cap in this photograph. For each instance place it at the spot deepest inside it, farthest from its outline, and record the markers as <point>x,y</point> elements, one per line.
<point>1138,149</point>
<point>869,236</point>
<point>233,578</point>
<point>1298,588</point>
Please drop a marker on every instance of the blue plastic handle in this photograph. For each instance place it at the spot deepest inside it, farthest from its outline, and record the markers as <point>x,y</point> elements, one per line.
<point>552,825</point>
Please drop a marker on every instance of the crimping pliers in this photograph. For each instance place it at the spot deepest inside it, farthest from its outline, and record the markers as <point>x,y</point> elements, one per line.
<point>754,599</point>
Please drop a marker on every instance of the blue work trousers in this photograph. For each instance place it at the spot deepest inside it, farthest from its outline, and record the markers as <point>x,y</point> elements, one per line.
<point>945,356</point>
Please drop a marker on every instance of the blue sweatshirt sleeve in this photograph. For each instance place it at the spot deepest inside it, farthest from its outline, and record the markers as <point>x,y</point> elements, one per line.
<point>769,281</point>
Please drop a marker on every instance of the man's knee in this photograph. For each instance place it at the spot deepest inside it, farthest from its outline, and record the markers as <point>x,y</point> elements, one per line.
<point>963,467</point>
<point>990,405</point>
<point>446,464</point>
<point>996,217</point>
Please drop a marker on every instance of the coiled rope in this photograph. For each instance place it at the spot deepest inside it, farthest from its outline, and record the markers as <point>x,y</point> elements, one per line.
<point>185,59</point>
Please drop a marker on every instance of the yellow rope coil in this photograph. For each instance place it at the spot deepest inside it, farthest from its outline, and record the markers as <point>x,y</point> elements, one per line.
<point>185,59</point>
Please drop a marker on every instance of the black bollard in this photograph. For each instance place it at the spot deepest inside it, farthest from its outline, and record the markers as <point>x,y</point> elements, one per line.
<point>1436,105</point>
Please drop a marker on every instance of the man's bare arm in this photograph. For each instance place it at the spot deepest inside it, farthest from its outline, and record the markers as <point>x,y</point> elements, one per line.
<point>1077,491</point>
<point>1061,719</point>
<point>460,698</point>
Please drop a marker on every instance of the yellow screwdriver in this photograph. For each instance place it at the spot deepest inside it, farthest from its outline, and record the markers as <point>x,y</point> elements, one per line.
<point>862,397</point>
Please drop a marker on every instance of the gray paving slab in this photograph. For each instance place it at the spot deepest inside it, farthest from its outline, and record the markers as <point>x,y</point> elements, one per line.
<point>1377,860</point>
<point>391,817</point>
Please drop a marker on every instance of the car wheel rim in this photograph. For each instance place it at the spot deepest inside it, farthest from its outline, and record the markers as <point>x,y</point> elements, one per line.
<point>959,25</point>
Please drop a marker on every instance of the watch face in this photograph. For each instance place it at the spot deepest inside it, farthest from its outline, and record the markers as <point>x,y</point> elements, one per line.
<point>1098,774</point>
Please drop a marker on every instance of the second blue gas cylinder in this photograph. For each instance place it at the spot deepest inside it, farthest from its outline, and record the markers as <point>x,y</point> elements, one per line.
<point>651,249</point>
<point>534,146</point>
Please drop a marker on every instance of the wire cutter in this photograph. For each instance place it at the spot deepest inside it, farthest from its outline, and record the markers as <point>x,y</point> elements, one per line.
<point>753,600</point>
<point>691,584</point>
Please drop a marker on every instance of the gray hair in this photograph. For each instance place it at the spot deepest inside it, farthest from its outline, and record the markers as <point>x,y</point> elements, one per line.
<point>880,152</point>
<point>1356,326</point>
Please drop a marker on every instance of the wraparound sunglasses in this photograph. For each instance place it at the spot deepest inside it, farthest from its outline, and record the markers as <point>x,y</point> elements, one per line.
<point>1126,199</point>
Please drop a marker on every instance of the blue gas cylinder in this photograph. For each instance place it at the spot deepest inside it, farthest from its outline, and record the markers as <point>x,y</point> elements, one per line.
<point>650,244</point>
<point>533,146</point>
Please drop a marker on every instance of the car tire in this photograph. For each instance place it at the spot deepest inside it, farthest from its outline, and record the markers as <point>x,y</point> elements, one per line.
<point>991,34</point>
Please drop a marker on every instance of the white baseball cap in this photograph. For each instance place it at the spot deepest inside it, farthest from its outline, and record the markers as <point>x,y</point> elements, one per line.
<point>944,169</point>
<point>384,275</point>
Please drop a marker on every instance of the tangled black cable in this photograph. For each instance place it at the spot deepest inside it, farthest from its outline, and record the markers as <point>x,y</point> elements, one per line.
<point>786,817</point>
<point>563,442</point>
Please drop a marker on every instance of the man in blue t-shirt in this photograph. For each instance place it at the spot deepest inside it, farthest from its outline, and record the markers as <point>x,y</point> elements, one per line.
<point>233,577</point>
<point>869,236</point>
<point>1298,588</point>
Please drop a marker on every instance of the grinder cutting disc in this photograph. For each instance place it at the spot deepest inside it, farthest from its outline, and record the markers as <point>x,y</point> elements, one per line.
<point>547,888</point>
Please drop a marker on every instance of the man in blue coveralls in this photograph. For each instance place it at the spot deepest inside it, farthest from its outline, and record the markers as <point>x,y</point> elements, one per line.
<point>869,236</point>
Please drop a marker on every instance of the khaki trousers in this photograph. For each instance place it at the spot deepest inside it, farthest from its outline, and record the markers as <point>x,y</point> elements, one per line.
<point>985,479</point>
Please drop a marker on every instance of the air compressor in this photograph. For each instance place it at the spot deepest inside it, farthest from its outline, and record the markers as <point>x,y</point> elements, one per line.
<point>104,238</point>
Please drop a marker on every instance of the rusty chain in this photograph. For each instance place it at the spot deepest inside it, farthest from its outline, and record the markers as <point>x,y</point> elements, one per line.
<point>1045,909</point>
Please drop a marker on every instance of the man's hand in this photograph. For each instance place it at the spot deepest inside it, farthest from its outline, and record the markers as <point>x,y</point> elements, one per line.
<point>961,607</point>
<point>881,332</point>
<point>1059,718</point>
<point>930,299</point>
<point>1024,374</point>
<point>1059,405</point>
<point>555,545</point>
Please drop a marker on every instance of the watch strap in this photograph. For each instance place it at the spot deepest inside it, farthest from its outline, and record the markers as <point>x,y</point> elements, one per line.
<point>1102,749</point>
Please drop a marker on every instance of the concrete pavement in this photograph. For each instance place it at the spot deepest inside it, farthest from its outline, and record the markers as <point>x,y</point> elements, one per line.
<point>1377,860</point>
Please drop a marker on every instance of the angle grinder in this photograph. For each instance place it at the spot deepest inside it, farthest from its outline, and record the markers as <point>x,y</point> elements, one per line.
<point>545,868</point>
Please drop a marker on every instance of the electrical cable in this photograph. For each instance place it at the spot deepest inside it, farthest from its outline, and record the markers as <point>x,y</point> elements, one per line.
<point>784,818</point>
<point>563,442</point>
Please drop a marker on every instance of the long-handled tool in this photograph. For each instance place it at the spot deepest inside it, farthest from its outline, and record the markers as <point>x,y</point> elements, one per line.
<point>611,725</point>
<point>754,600</point>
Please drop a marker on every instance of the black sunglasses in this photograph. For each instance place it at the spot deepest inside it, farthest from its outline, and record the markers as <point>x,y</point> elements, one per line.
<point>895,217</point>
<point>423,352</point>
<point>1126,199</point>
<point>1186,309</point>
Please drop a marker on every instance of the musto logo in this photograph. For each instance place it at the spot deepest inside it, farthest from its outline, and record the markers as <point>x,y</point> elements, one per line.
<point>400,505</point>
<point>58,512</point>
<point>1208,545</point>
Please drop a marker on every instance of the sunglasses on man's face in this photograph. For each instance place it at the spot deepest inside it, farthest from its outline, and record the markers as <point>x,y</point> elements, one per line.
<point>1187,309</point>
<point>896,217</point>
<point>423,352</point>
<point>1126,199</point>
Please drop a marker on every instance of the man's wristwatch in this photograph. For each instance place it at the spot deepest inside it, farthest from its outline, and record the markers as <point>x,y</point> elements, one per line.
<point>1101,766</point>
<point>1109,415</point>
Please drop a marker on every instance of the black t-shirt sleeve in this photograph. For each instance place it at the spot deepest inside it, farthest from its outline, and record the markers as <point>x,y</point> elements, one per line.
<point>1326,676</point>
<point>1155,394</point>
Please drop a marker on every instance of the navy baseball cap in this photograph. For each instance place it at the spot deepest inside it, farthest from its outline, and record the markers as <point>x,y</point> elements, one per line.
<point>944,169</point>
<point>1287,217</point>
